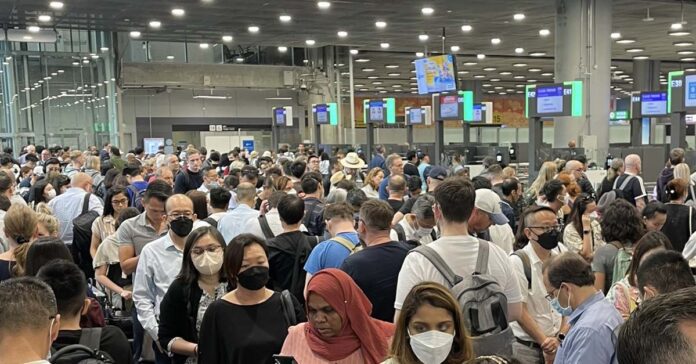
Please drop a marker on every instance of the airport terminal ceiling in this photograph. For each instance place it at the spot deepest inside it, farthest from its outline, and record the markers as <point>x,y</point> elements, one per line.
<point>524,55</point>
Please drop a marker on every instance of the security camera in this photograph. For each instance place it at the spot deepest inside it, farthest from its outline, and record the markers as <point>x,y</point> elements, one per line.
<point>303,85</point>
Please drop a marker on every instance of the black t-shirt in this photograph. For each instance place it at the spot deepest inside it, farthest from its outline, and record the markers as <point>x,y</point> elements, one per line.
<point>677,225</point>
<point>633,190</point>
<point>5,270</point>
<point>395,204</point>
<point>187,181</point>
<point>286,252</point>
<point>411,170</point>
<point>375,270</point>
<point>235,334</point>
<point>113,342</point>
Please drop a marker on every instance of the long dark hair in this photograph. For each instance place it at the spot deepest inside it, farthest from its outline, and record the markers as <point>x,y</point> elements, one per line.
<point>44,250</point>
<point>579,208</point>
<point>113,191</point>
<point>189,274</point>
<point>200,203</point>
<point>649,241</point>
<point>36,194</point>
<point>234,255</point>
<point>58,181</point>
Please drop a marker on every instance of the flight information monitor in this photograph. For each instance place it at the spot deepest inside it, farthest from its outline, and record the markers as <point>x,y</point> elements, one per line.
<point>280,116</point>
<point>690,91</point>
<point>436,74</point>
<point>561,99</point>
<point>322,114</point>
<point>449,107</point>
<point>653,103</point>
<point>478,113</point>
<point>549,99</point>
<point>415,116</point>
<point>376,111</point>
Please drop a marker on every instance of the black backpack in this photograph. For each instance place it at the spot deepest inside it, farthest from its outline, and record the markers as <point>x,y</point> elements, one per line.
<point>137,199</point>
<point>82,238</point>
<point>617,192</point>
<point>211,221</point>
<point>86,352</point>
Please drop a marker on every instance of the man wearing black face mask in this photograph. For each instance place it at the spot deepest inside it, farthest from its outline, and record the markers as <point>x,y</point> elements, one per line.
<point>537,329</point>
<point>159,264</point>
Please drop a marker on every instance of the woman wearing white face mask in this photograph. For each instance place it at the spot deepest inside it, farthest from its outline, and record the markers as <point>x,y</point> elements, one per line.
<point>430,329</point>
<point>199,283</point>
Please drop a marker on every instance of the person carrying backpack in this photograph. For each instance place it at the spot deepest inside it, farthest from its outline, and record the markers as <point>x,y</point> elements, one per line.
<point>136,185</point>
<point>629,186</point>
<point>477,272</point>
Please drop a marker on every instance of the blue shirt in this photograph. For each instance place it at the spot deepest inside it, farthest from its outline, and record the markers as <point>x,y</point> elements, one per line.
<point>591,337</point>
<point>236,222</point>
<point>383,193</point>
<point>421,169</point>
<point>377,161</point>
<point>68,206</point>
<point>330,253</point>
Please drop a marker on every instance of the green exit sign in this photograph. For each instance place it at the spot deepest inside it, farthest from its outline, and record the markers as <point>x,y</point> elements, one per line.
<point>618,115</point>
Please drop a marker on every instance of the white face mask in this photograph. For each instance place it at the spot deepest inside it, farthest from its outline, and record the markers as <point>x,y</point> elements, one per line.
<point>51,194</point>
<point>421,232</point>
<point>208,263</point>
<point>431,347</point>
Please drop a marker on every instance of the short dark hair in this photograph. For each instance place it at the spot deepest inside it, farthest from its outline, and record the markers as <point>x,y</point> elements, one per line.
<point>481,182</point>
<point>340,210</point>
<point>234,254</point>
<point>220,198</point>
<point>521,239</point>
<point>25,303</point>
<point>188,273</point>
<point>275,197</point>
<point>455,197</point>
<point>159,190</point>
<point>44,250</point>
<point>509,185</point>
<point>5,182</point>
<point>298,168</point>
<point>310,184</point>
<point>291,209</point>
<point>652,334</point>
<point>551,190</point>
<point>652,208</point>
<point>568,267</point>
<point>356,197</point>
<point>250,172</point>
<point>115,151</point>
<point>127,213</point>
<point>621,222</point>
<point>414,183</point>
<point>411,154</point>
<point>666,271</point>
<point>68,283</point>
<point>376,215</point>
<point>676,156</point>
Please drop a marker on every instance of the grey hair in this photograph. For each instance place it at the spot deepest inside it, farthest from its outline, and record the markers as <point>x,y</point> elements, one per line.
<point>337,195</point>
<point>423,207</point>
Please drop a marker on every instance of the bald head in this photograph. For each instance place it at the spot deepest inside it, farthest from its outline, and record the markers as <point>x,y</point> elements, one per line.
<point>82,180</point>
<point>632,162</point>
<point>178,203</point>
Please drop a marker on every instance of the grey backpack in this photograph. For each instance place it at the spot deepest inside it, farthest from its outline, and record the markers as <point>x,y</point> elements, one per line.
<point>483,303</point>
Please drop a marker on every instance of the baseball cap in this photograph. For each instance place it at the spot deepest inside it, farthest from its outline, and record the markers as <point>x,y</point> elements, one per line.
<point>489,202</point>
<point>438,173</point>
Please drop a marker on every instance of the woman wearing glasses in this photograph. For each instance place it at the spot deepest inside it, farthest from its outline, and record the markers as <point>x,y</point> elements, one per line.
<point>583,234</point>
<point>116,201</point>
<point>199,283</point>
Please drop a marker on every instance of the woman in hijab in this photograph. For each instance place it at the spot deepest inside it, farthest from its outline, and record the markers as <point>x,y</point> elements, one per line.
<point>339,328</point>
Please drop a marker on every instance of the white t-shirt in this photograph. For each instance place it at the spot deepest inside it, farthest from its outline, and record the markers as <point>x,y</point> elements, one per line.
<point>409,232</point>
<point>460,253</point>
<point>502,236</point>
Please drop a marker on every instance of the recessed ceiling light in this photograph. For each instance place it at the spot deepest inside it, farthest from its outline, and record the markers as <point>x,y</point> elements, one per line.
<point>498,87</point>
<point>423,37</point>
<point>396,86</point>
<point>615,35</point>
<point>282,49</point>
<point>27,37</point>
<point>383,91</point>
<point>342,34</point>
<point>61,71</point>
<point>537,54</point>
<point>178,12</point>
<point>94,56</point>
<point>462,72</point>
<point>488,69</point>
<point>104,49</point>
<point>679,33</point>
<point>467,28</point>
<point>634,50</point>
<point>381,24</point>
<point>531,81</point>
<point>626,41</point>
<point>469,63</point>
<point>534,70</point>
<point>479,76</point>
<point>547,74</point>
<point>495,80</point>
<point>684,43</point>
<point>420,54</point>
<point>44,18</point>
<point>253,29</point>
<point>285,18</point>
<point>372,77</point>
<point>362,60</point>
<point>690,70</point>
<point>392,66</point>
<point>641,57</point>
<point>519,77</point>
<point>688,59</point>
<point>204,45</point>
<point>384,45</point>
<point>377,82</point>
<point>495,41</point>
<point>519,50</point>
<point>505,73</point>
<point>685,52</point>
<point>454,48</point>
<point>544,32</point>
<point>486,85</point>
<point>480,56</point>
<point>33,28</point>
<point>56,5</point>
<point>170,57</point>
<point>676,26</point>
<point>354,51</point>
<point>135,34</point>
<point>368,69</point>
<point>394,74</point>
<point>518,16</point>
<point>227,38</point>
<point>86,61</point>
<point>519,65</point>
<point>155,24</point>
<point>323,5</point>
<point>239,59</point>
<point>310,42</point>
<point>427,11</point>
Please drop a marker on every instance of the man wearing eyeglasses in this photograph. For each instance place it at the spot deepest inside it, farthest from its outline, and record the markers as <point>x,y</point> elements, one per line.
<point>159,264</point>
<point>569,285</point>
<point>538,329</point>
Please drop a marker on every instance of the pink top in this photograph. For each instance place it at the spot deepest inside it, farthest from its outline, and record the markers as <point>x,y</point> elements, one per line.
<point>296,346</point>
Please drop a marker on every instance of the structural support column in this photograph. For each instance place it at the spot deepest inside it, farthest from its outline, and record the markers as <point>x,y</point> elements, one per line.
<point>583,52</point>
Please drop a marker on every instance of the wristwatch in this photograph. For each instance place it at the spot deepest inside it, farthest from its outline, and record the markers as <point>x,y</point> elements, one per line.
<point>585,232</point>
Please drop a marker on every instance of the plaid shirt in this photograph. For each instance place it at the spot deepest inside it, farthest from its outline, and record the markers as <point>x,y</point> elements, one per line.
<point>314,216</point>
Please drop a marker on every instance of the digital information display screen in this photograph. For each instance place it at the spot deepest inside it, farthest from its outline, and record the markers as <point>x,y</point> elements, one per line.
<point>280,117</point>
<point>436,74</point>
<point>449,107</point>
<point>478,108</point>
<point>653,103</point>
<point>549,100</point>
<point>322,114</point>
<point>690,91</point>
<point>376,114</point>
<point>415,116</point>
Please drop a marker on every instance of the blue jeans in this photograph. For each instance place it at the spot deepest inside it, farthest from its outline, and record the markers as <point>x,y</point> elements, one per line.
<point>138,335</point>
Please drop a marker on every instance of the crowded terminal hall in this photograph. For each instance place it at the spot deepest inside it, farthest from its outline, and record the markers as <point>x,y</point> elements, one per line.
<point>332,182</point>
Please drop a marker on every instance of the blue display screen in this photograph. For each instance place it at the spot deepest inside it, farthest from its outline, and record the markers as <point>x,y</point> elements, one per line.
<point>653,103</point>
<point>478,108</point>
<point>376,108</point>
<point>436,74</point>
<point>280,117</point>
<point>549,99</point>
<point>415,116</point>
<point>449,107</point>
<point>690,96</point>
<point>322,114</point>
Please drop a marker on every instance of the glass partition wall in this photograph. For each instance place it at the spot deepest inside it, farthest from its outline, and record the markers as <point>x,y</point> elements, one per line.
<point>60,93</point>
